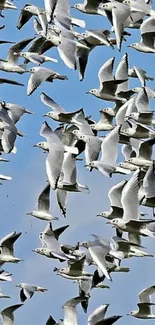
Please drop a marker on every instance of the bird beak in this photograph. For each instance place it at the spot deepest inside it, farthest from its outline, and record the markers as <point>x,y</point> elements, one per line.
<point>44,115</point>
<point>16,53</point>
<point>98,215</point>
<point>87,92</point>
<point>72,7</point>
<point>35,145</point>
<point>33,250</point>
<point>129,46</point>
<point>28,213</point>
<point>108,223</point>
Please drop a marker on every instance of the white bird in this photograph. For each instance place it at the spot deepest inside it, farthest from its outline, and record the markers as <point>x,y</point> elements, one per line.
<point>6,248</point>
<point>58,113</point>
<point>43,206</point>
<point>114,195</point>
<point>105,122</point>
<point>146,44</point>
<point>39,75</point>
<point>109,148</point>
<point>144,306</point>
<point>50,245</point>
<point>28,290</point>
<point>131,221</point>
<point>108,85</point>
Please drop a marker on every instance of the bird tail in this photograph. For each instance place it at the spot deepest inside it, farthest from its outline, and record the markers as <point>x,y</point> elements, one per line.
<point>42,289</point>
<point>61,77</point>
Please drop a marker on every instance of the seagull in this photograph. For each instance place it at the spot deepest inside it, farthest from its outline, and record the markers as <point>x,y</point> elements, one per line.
<point>144,113</point>
<point>67,180</point>
<point>7,314</point>
<point>6,248</point>
<point>74,271</point>
<point>58,113</point>
<point>98,249</point>
<point>119,13</point>
<point>108,85</point>
<point>8,131</point>
<point>43,206</point>
<point>50,245</point>
<point>146,44</point>
<point>144,306</point>
<point>109,148</point>
<point>15,111</point>
<point>139,73</point>
<point>27,290</point>
<point>105,122</point>
<point>143,158</point>
<point>121,248</point>
<point>10,65</point>
<point>39,75</point>
<point>131,221</point>
<point>114,195</point>
<point>90,7</point>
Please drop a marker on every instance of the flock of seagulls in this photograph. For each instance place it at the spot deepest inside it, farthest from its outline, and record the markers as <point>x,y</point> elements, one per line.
<point>129,122</point>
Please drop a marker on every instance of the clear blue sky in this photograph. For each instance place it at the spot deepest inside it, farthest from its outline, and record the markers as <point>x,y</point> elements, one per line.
<point>27,169</point>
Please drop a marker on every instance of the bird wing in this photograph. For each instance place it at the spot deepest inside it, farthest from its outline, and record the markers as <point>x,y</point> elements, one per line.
<point>67,49</point>
<point>62,200</point>
<point>149,181</point>
<point>69,308</point>
<point>142,102</point>
<point>92,149</point>
<point>26,293</point>
<point>144,295</point>
<point>36,78</point>
<point>109,147</point>
<point>141,74</point>
<point>98,254</point>
<point>105,72</point>
<point>51,103</point>
<point>129,197</point>
<point>8,137</point>
<point>146,148</point>
<point>7,314</point>
<point>115,194</point>
<point>97,315</point>
<point>24,17</point>
<point>59,231</point>
<point>120,13</point>
<point>69,169</point>
<point>44,199</point>
<point>122,73</point>
<point>6,243</point>
<point>51,321</point>
<point>78,265</point>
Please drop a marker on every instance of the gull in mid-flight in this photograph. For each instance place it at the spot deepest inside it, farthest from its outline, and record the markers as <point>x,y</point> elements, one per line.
<point>144,306</point>
<point>43,206</point>
<point>27,290</point>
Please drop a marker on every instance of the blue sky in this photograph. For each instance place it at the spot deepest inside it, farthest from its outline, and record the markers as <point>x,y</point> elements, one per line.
<point>27,169</point>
